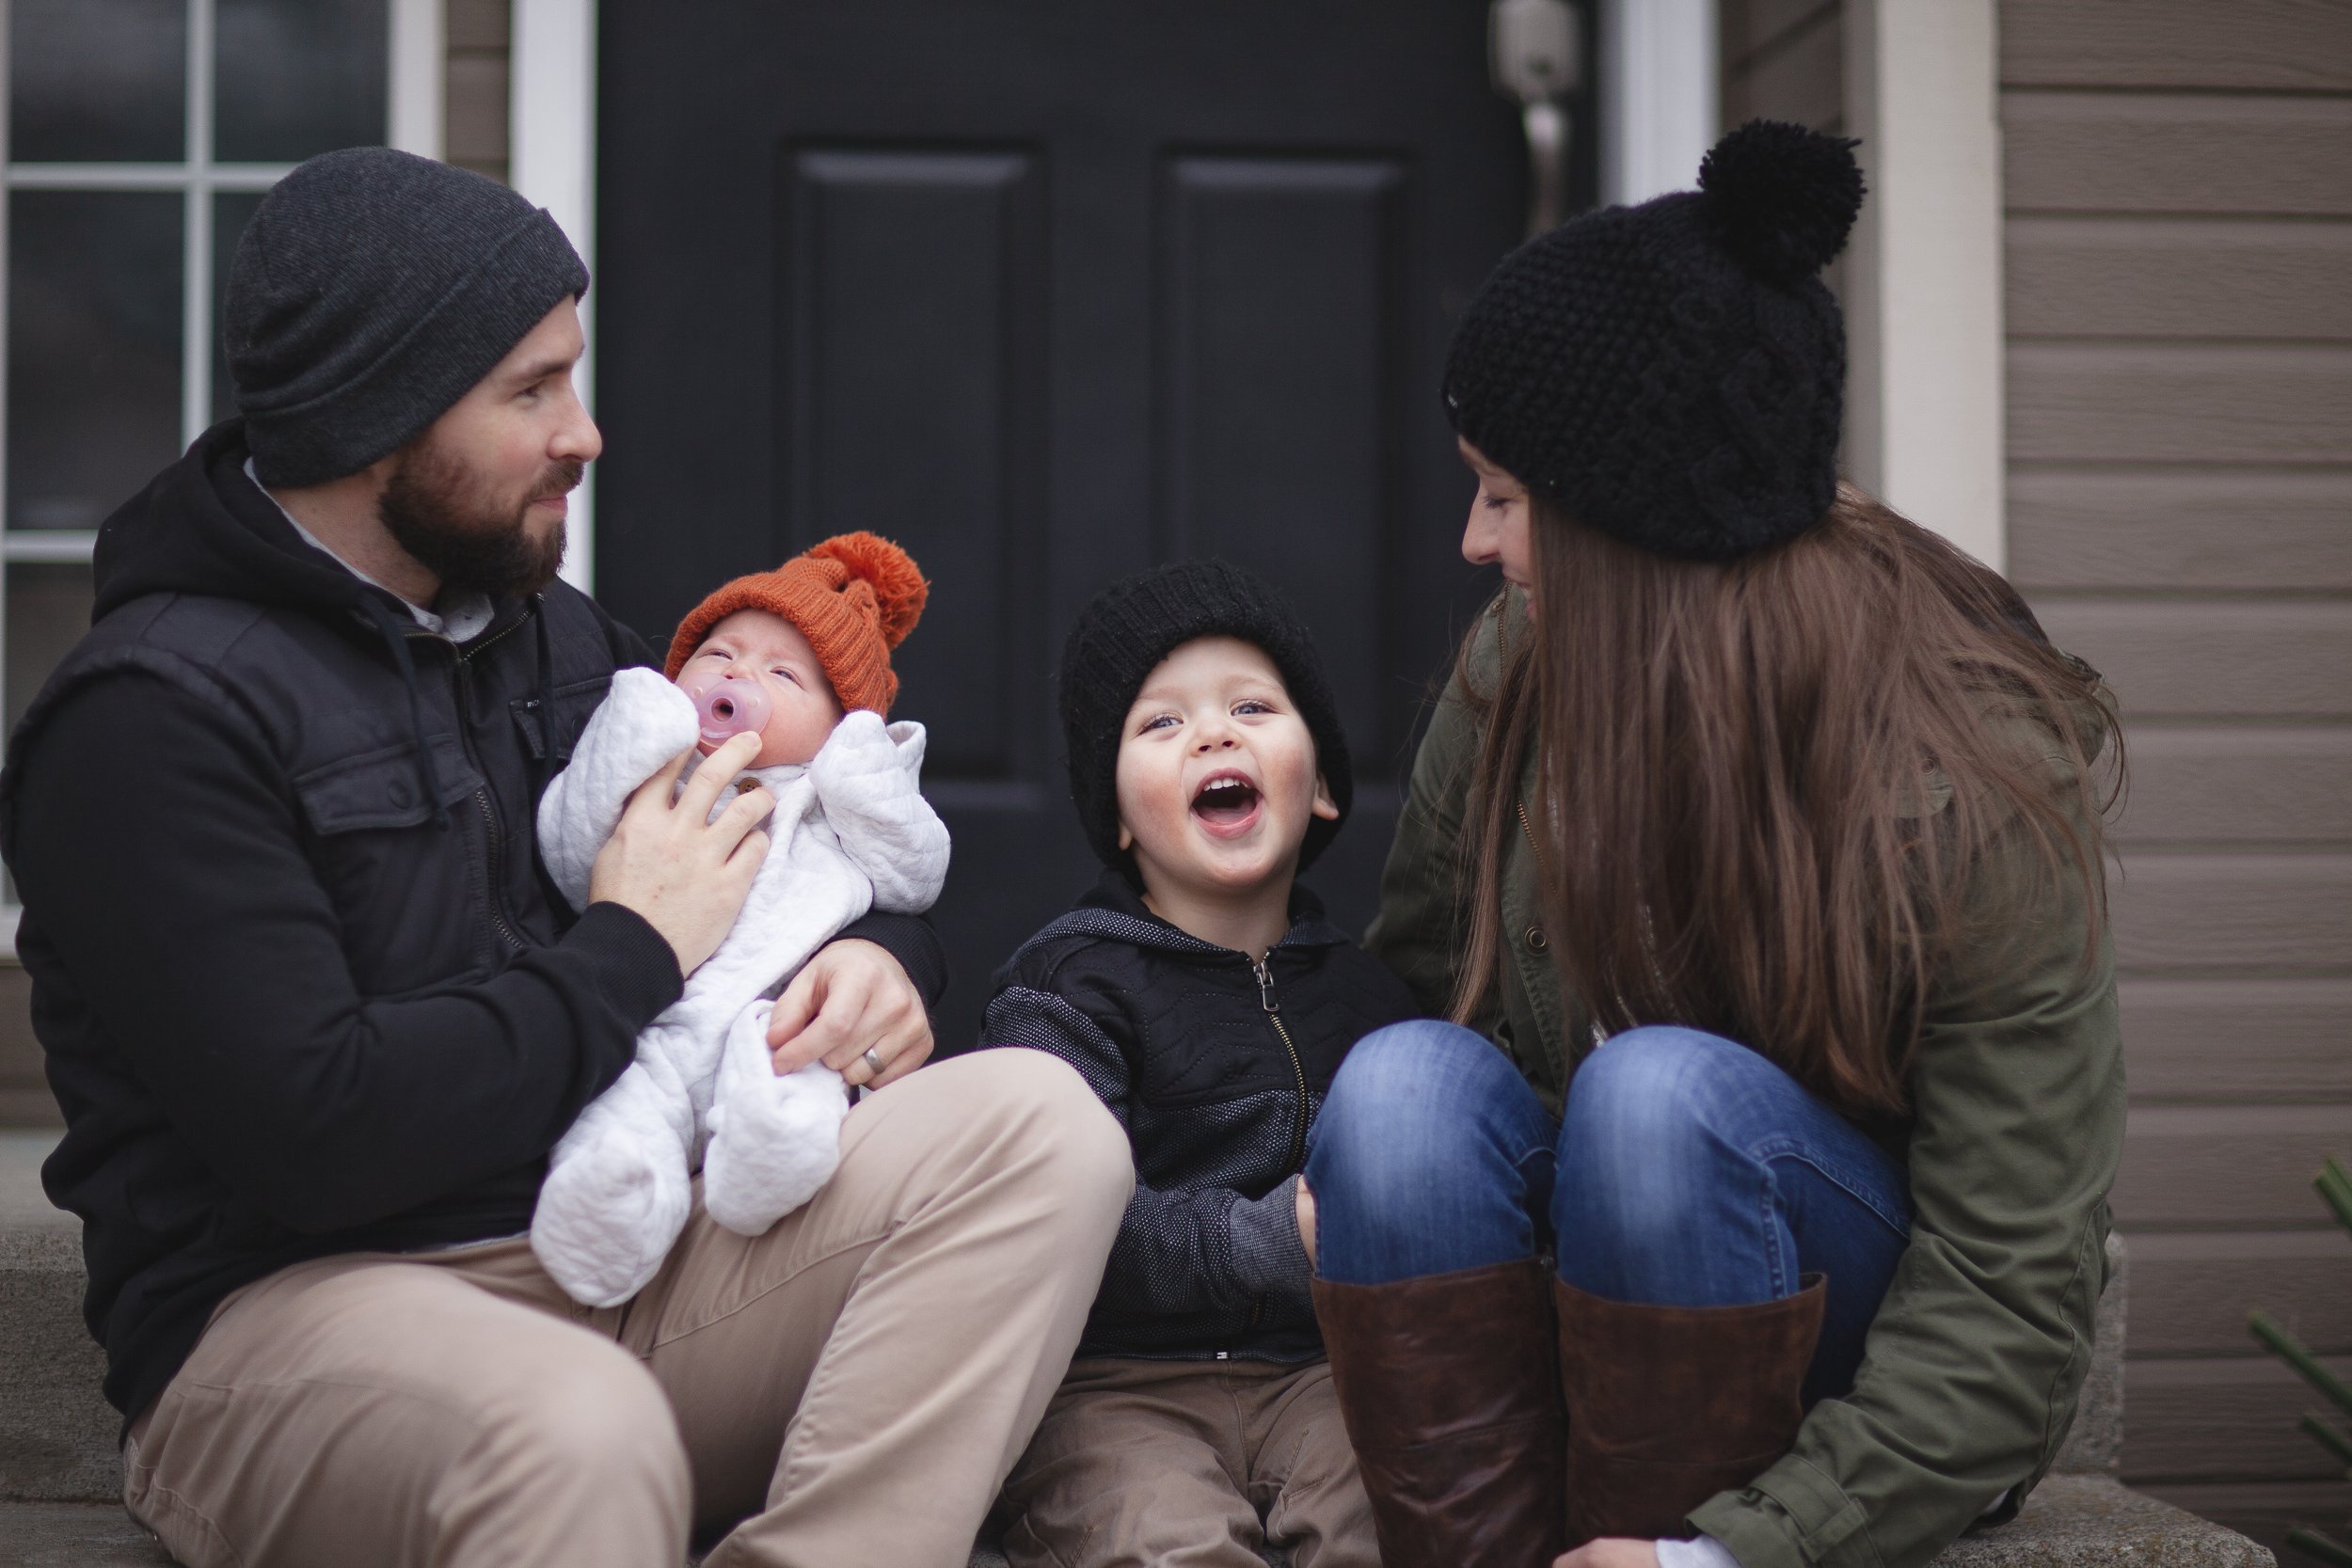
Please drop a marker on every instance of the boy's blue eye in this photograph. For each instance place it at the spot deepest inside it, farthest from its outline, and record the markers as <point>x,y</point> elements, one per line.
<point>1251,704</point>
<point>1156,723</point>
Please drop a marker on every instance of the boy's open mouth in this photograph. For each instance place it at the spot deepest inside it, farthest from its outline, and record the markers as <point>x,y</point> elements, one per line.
<point>1224,799</point>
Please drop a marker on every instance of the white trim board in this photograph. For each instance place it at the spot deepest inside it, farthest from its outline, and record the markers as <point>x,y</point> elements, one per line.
<point>1924,392</point>
<point>1658,92</point>
<point>418,92</point>
<point>552,160</point>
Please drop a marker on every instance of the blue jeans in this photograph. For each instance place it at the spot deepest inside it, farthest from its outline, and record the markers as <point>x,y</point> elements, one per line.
<point>1687,1171</point>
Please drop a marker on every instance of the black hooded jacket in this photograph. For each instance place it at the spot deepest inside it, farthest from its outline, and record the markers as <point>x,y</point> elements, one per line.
<point>302,985</point>
<point>1217,1068</point>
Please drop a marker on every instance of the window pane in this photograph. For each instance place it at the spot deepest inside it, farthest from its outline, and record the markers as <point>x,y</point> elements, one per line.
<point>231,211</point>
<point>93,351</point>
<point>104,79</point>
<point>48,613</point>
<point>295,78</point>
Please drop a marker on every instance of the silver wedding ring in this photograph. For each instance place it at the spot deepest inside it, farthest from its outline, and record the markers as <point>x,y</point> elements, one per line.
<point>873,1063</point>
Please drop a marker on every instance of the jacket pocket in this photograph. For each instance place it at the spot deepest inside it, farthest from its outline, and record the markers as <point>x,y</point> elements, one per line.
<point>570,706</point>
<point>385,854</point>
<point>383,788</point>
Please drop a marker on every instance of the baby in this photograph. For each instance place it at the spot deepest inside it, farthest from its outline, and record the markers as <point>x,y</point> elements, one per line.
<point>783,652</point>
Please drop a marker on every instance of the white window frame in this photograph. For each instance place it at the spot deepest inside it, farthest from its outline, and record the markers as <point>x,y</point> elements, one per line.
<point>414,113</point>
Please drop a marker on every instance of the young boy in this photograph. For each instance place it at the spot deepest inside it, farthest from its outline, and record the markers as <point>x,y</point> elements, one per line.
<point>800,657</point>
<point>1202,995</point>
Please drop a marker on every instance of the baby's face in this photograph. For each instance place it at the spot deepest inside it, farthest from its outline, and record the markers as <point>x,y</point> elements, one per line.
<point>760,645</point>
<point>1216,775</point>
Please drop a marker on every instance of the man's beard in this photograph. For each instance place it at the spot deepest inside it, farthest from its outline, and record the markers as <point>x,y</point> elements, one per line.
<point>474,543</point>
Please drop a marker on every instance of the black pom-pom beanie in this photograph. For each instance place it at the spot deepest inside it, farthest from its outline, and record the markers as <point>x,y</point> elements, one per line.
<point>1672,373</point>
<point>1121,636</point>
<point>369,291</point>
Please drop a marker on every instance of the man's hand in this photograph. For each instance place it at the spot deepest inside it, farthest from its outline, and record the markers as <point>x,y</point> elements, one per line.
<point>1611,1551</point>
<point>687,876</point>
<point>1307,1221</point>
<point>850,1007</point>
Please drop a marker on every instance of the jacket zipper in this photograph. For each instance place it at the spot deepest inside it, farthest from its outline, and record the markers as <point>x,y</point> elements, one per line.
<point>493,865</point>
<point>1264,970</point>
<point>1272,1005</point>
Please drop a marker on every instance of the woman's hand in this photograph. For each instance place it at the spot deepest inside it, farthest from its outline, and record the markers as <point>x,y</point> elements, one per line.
<point>1610,1552</point>
<point>1307,1221</point>
<point>850,1007</point>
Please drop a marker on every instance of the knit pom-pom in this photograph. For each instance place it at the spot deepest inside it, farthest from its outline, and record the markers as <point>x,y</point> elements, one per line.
<point>900,590</point>
<point>1782,197</point>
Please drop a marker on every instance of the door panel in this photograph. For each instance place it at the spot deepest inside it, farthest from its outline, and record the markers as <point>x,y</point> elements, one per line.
<point>1278,287</point>
<point>910,361</point>
<point>1049,291</point>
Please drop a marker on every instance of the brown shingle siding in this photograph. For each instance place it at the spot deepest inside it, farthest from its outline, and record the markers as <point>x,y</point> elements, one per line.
<point>1781,60</point>
<point>2232,1041</point>
<point>2216,527</point>
<point>2187,154</point>
<point>2178,277</point>
<point>2275,787</point>
<point>478,35</point>
<point>2280,45</point>
<point>2178,302</point>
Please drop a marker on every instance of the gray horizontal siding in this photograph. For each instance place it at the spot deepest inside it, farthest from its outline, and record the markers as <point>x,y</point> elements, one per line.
<point>2178,178</point>
<point>2280,45</point>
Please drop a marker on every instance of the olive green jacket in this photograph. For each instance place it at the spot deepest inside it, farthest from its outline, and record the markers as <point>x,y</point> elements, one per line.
<point>1968,1382</point>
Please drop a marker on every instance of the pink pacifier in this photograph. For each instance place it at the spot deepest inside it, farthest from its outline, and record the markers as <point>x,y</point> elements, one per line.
<point>727,705</point>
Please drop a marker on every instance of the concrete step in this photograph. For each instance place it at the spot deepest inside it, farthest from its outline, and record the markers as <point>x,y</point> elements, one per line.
<point>61,1473</point>
<point>57,1432</point>
<point>2070,1522</point>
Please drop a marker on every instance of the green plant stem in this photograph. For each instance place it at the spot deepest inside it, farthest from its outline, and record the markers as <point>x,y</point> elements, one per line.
<point>2335,1188</point>
<point>2334,1553</point>
<point>2290,1350</point>
<point>2329,1438</point>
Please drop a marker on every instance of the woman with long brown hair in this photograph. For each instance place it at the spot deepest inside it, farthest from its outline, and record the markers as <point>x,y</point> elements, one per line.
<point>1748,1209</point>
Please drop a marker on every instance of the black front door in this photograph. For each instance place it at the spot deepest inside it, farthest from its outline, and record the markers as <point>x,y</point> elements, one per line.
<point>1050,291</point>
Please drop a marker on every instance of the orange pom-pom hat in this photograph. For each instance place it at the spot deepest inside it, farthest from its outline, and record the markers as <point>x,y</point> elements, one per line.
<point>854,597</point>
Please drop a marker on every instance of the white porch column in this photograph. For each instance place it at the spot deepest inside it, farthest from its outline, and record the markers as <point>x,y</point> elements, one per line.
<point>418,73</point>
<point>1924,422</point>
<point>552,160</point>
<point>1658,95</point>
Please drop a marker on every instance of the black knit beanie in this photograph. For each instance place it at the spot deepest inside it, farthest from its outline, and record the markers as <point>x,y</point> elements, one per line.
<point>1672,373</point>
<point>369,291</point>
<point>1119,639</point>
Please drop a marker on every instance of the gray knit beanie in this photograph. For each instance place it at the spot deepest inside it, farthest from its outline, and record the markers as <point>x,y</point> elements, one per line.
<point>371,291</point>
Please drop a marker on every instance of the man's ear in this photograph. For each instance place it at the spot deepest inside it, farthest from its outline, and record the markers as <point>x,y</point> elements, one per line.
<point>1325,806</point>
<point>1127,839</point>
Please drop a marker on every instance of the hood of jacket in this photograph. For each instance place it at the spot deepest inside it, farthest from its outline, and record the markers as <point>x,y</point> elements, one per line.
<point>1114,910</point>
<point>202,526</point>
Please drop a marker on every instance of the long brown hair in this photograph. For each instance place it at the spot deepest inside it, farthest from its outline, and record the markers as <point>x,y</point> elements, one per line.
<point>1763,784</point>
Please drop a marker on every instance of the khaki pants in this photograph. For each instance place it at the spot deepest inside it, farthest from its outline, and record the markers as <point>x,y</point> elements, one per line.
<point>1189,1464</point>
<point>857,1381</point>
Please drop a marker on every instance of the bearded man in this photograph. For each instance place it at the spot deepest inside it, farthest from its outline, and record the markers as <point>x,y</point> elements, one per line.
<point>315,1017</point>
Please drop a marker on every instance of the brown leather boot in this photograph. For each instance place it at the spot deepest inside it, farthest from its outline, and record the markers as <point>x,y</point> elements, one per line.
<point>1448,1387</point>
<point>1669,1405</point>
